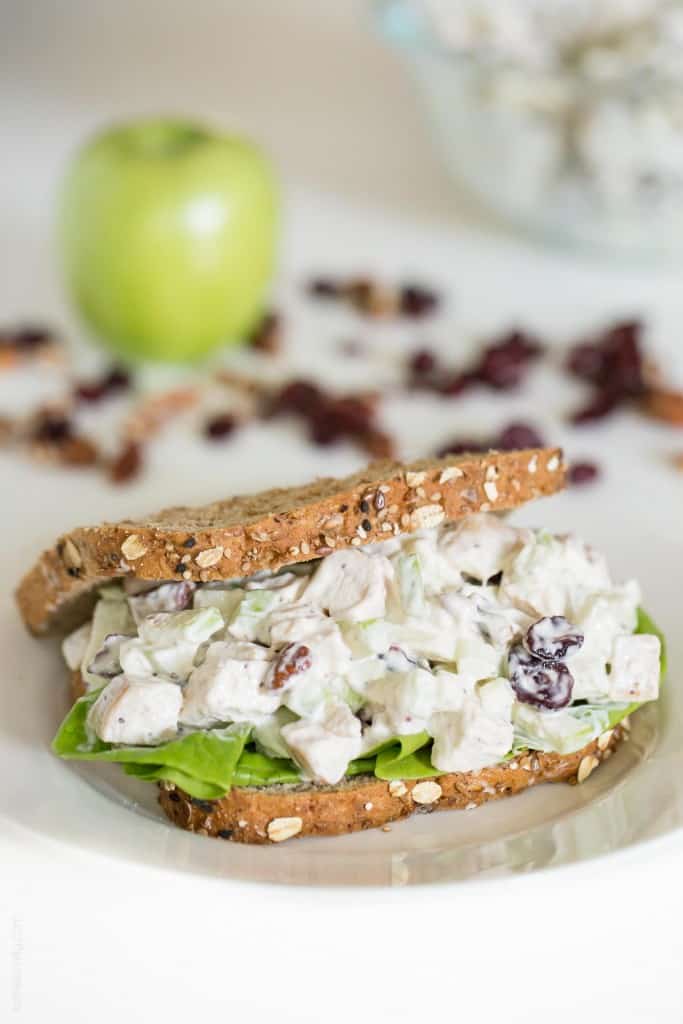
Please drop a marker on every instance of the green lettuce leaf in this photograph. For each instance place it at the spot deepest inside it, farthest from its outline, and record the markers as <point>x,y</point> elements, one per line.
<point>401,757</point>
<point>163,773</point>
<point>258,769</point>
<point>210,757</point>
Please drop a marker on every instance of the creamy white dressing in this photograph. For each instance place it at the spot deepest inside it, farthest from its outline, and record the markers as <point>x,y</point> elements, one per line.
<point>403,637</point>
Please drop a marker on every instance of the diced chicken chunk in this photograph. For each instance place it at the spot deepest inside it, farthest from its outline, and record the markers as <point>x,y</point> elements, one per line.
<point>228,686</point>
<point>635,668</point>
<point>136,712</point>
<point>350,585</point>
<point>479,545</point>
<point>324,746</point>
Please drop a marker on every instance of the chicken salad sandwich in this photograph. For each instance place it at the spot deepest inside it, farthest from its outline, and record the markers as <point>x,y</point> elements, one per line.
<point>330,658</point>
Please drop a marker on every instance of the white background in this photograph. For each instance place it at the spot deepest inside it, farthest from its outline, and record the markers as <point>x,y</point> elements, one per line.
<point>86,938</point>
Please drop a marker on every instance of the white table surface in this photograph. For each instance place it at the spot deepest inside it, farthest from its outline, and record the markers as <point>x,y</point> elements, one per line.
<point>86,938</point>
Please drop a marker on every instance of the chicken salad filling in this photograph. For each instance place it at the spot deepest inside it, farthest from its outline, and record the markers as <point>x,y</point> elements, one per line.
<point>440,651</point>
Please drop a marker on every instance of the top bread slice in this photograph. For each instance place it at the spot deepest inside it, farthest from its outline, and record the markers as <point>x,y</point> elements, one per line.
<point>243,535</point>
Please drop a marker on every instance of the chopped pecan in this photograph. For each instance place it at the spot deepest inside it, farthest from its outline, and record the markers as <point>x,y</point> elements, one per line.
<point>294,659</point>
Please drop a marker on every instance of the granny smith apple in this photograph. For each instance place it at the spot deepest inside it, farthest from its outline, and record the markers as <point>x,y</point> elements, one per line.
<point>168,233</point>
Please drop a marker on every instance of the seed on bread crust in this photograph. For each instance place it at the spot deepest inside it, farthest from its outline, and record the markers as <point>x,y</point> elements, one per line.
<point>586,767</point>
<point>415,479</point>
<point>398,788</point>
<point>280,829</point>
<point>211,556</point>
<point>133,548</point>
<point>603,741</point>
<point>71,556</point>
<point>427,517</point>
<point>426,792</point>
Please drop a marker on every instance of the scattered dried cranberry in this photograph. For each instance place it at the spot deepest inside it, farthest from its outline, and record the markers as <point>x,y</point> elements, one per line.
<point>220,427</point>
<point>336,418</point>
<point>299,396</point>
<point>553,638</point>
<point>462,446</point>
<point>517,436</point>
<point>602,404</point>
<point>90,392</point>
<point>267,337</point>
<point>422,362</point>
<point>114,381</point>
<point>294,659</point>
<point>581,473</point>
<point>416,301</point>
<point>30,338</point>
<point>117,379</point>
<point>456,384</point>
<point>503,363</point>
<point>542,684</point>
<point>587,362</point>
<point>323,288</point>
<point>613,363</point>
<point>127,464</point>
<point>53,428</point>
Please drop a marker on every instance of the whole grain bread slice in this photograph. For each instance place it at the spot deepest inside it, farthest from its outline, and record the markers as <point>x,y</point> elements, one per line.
<point>243,535</point>
<point>274,813</point>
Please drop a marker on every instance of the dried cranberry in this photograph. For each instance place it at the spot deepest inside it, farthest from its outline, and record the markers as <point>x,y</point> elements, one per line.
<point>552,638</point>
<point>583,473</point>
<point>29,338</point>
<point>86,392</point>
<point>518,436</point>
<point>624,359</point>
<point>325,430</point>
<point>461,446</point>
<point>602,404</point>
<point>323,288</point>
<point>587,362</point>
<point>500,370</point>
<point>220,427</point>
<point>614,364</point>
<point>456,384</point>
<point>117,379</point>
<point>422,362</point>
<point>502,364</point>
<point>542,684</point>
<point>299,396</point>
<point>416,301</point>
<point>54,428</point>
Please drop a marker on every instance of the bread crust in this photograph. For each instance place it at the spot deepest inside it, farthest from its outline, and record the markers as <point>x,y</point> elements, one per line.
<point>255,815</point>
<point>244,535</point>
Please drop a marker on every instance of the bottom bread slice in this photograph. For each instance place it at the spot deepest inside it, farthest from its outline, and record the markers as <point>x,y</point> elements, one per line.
<point>271,814</point>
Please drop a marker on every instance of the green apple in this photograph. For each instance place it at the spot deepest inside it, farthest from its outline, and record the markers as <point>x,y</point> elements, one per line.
<point>168,232</point>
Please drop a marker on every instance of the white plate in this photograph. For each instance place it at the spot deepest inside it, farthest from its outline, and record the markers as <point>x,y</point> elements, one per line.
<point>633,515</point>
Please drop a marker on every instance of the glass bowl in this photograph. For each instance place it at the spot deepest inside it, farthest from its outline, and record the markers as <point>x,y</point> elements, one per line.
<point>590,155</point>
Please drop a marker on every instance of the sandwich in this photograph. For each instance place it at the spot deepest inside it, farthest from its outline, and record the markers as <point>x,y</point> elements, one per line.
<point>334,657</point>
